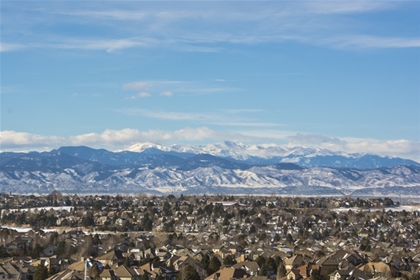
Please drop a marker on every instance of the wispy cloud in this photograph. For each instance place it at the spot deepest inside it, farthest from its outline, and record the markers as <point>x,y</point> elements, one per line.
<point>166,93</point>
<point>138,86</point>
<point>236,111</point>
<point>346,7</point>
<point>124,15</point>
<point>168,87</point>
<point>165,115</point>
<point>204,90</point>
<point>139,95</point>
<point>4,47</point>
<point>366,41</point>
<point>205,27</point>
<point>108,45</point>
<point>232,118</point>
<point>9,89</point>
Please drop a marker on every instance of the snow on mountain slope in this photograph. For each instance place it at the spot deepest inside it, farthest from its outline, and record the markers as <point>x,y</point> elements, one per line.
<point>206,169</point>
<point>271,153</point>
<point>258,179</point>
<point>141,147</point>
<point>232,149</point>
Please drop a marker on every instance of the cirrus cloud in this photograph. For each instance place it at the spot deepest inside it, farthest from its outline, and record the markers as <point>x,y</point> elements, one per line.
<point>4,47</point>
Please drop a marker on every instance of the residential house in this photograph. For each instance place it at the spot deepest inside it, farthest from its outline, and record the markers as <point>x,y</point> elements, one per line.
<point>379,269</point>
<point>187,260</point>
<point>70,274</point>
<point>250,267</point>
<point>293,262</point>
<point>12,271</point>
<point>111,258</point>
<point>227,273</point>
<point>124,272</point>
<point>108,274</point>
<point>293,275</point>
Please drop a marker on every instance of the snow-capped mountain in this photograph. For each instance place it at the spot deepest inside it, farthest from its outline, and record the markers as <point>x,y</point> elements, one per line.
<point>271,153</point>
<point>185,169</point>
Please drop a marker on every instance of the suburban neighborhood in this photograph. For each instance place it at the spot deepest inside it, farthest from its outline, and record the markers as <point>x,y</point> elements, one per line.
<point>218,237</point>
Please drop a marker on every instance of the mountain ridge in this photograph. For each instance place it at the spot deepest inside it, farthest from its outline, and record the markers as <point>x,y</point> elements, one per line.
<point>271,153</point>
<point>86,170</point>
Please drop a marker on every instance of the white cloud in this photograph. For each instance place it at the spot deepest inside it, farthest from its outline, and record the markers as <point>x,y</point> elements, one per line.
<point>111,14</point>
<point>365,41</point>
<point>166,93</point>
<point>402,147</point>
<point>108,45</point>
<point>138,86</point>
<point>143,94</point>
<point>139,95</point>
<point>346,7</point>
<point>23,140</point>
<point>111,139</point>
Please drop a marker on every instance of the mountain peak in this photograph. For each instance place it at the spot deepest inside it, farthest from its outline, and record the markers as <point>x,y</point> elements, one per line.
<point>141,147</point>
<point>272,153</point>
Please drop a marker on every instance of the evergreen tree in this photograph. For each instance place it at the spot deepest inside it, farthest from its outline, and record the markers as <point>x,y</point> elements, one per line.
<point>289,239</point>
<point>188,273</point>
<point>3,252</point>
<point>144,276</point>
<point>147,223</point>
<point>229,260</point>
<point>214,265</point>
<point>88,221</point>
<point>281,271</point>
<point>96,239</point>
<point>61,248</point>
<point>205,262</point>
<point>316,275</point>
<point>51,271</point>
<point>260,260</point>
<point>127,262</point>
<point>270,263</point>
<point>36,252</point>
<point>252,229</point>
<point>41,272</point>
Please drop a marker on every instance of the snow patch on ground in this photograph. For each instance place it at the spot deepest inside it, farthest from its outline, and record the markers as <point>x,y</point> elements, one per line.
<point>407,208</point>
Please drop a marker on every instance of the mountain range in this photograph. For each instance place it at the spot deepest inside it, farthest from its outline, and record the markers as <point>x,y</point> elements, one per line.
<point>225,167</point>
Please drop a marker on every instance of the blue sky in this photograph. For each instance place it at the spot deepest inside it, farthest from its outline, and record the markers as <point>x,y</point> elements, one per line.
<point>339,75</point>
